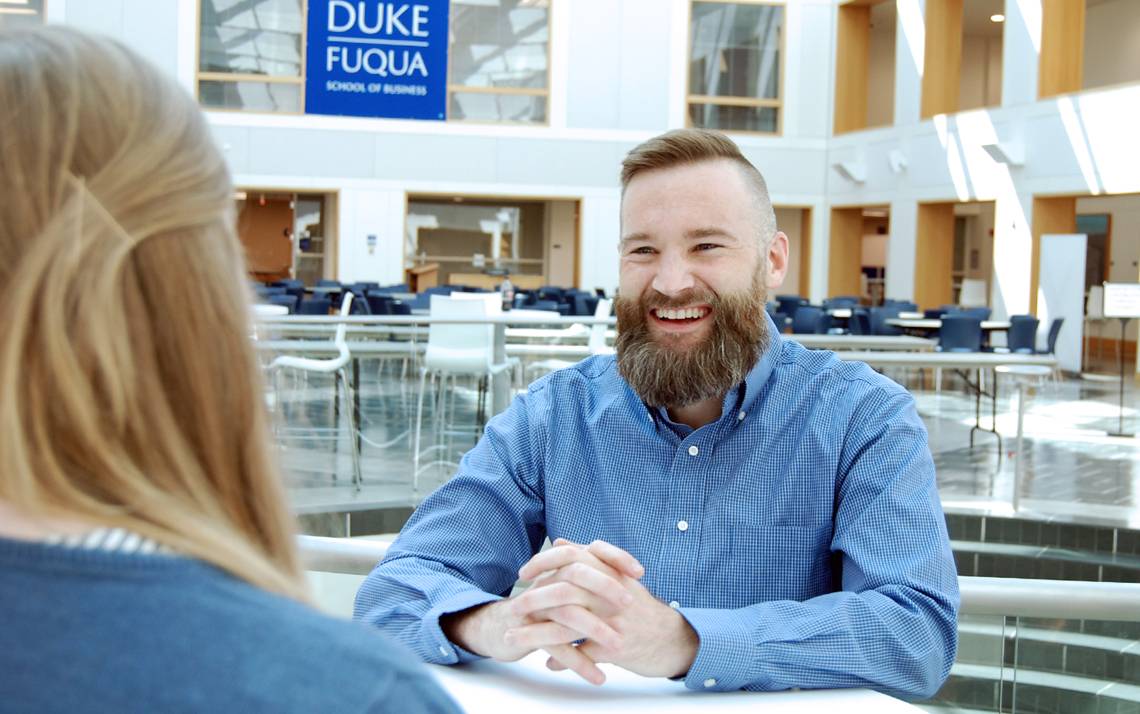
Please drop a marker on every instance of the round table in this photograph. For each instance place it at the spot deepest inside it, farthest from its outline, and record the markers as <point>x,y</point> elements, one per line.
<point>1024,375</point>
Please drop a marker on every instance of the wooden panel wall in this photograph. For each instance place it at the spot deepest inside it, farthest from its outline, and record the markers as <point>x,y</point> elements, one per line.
<point>1060,67</point>
<point>845,252</point>
<point>1055,214</point>
<point>852,56</point>
<point>942,63</point>
<point>263,234</point>
<point>934,255</point>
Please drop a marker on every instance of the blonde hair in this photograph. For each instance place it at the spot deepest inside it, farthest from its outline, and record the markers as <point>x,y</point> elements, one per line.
<point>690,146</point>
<point>131,394</point>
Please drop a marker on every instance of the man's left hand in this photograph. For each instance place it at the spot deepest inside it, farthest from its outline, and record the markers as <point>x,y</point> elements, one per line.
<point>656,641</point>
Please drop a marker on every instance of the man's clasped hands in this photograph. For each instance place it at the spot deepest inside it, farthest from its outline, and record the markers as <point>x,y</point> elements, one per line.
<point>585,594</point>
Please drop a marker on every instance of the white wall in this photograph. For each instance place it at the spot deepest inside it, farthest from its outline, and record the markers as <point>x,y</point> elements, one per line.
<point>1112,43</point>
<point>979,83</point>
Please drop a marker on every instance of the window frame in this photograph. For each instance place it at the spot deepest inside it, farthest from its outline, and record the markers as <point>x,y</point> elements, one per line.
<point>504,91</point>
<point>734,101</point>
<point>235,77</point>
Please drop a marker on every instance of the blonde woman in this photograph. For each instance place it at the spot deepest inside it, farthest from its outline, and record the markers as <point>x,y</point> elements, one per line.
<point>146,554</point>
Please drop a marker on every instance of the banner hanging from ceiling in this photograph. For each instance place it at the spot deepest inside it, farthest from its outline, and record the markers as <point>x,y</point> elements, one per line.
<point>377,59</point>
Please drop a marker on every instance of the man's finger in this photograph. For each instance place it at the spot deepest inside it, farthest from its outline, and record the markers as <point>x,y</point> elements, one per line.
<point>570,658</point>
<point>605,585</point>
<point>617,558</point>
<point>541,635</point>
<point>582,620</point>
<point>551,596</point>
<point>591,649</point>
<point>557,557</point>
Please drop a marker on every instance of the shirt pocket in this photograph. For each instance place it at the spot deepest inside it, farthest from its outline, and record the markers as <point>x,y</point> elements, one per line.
<point>781,562</point>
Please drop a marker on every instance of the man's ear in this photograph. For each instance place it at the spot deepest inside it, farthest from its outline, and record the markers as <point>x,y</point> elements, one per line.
<point>777,261</point>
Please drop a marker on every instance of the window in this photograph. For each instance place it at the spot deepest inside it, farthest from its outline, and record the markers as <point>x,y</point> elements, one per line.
<point>21,13</point>
<point>734,66</point>
<point>251,55</point>
<point>498,63</point>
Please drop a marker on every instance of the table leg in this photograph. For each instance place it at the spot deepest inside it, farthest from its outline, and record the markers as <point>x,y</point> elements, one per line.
<point>1019,464</point>
<point>501,392</point>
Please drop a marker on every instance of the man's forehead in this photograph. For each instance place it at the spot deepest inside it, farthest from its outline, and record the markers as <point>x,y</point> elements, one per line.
<point>714,190</point>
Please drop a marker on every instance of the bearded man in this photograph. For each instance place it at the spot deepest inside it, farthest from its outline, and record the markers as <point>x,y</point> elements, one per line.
<point>725,507</point>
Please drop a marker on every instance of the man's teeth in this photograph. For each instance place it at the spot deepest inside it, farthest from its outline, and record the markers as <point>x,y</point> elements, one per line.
<point>687,313</point>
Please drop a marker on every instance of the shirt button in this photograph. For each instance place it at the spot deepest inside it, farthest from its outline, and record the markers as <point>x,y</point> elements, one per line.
<point>443,651</point>
<point>693,450</point>
<point>682,525</point>
<point>710,682</point>
<point>674,604</point>
<point>740,416</point>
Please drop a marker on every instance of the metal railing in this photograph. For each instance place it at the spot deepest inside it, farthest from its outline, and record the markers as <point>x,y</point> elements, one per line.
<point>1065,599</point>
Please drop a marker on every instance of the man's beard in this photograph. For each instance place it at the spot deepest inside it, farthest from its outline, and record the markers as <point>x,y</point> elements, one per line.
<point>665,374</point>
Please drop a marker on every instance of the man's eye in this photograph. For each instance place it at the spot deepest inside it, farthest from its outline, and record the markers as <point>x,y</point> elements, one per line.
<point>643,250</point>
<point>707,246</point>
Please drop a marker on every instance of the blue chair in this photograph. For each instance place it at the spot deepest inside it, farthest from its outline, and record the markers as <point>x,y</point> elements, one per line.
<point>860,322</point>
<point>379,303</point>
<point>878,317</point>
<point>843,301</point>
<point>788,304</point>
<point>289,301</point>
<point>807,320</point>
<point>1051,340</point>
<point>323,283</point>
<point>315,306</point>
<point>982,313</point>
<point>1022,337</point>
<point>901,305</point>
<point>960,333</point>
<point>271,290</point>
<point>400,308</point>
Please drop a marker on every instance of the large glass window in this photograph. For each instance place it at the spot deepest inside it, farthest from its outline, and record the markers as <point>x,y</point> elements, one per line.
<point>734,66</point>
<point>251,55</point>
<point>20,13</point>
<point>499,60</point>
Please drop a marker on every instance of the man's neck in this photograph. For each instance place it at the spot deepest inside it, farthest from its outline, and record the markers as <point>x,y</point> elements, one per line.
<point>697,415</point>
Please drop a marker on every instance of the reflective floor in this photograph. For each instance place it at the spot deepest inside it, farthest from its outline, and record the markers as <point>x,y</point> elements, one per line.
<point>1071,470</point>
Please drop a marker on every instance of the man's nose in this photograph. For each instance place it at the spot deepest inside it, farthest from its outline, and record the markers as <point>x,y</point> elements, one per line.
<point>674,276</point>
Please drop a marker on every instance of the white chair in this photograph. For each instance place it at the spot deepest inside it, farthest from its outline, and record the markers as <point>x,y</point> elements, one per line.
<point>456,349</point>
<point>596,343</point>
<point>336,366</point>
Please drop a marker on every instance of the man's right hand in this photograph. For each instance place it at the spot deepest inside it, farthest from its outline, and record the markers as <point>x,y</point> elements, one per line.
<point>562,613</point>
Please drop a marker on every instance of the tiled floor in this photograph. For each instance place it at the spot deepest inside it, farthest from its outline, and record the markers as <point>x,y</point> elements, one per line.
<point>1073,471</point>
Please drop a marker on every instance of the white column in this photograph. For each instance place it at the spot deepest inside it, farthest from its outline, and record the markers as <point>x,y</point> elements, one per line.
<point>901,250</point>
<point>1021,49</point>
<point>910,47</point>
<point>1013,246</point>
<point>364,212</point>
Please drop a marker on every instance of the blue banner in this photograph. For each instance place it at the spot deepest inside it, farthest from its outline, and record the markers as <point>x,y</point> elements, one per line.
<point>377,59</point>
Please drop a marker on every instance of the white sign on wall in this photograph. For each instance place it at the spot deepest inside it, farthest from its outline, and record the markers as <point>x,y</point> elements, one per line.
<point>1122,299</point>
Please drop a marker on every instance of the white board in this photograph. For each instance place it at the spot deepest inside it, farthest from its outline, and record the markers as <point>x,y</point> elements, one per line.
<point>1122,299</point>
<point>1061,294</point>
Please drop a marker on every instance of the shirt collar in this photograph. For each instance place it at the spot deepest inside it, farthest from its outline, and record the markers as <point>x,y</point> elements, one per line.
<point>738,401</point>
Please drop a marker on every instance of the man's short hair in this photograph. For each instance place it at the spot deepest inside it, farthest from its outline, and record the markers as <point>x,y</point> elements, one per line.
<point>691,146</point>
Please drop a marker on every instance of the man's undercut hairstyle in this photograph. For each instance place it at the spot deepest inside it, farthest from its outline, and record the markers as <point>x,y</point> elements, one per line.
<point>691,146</point>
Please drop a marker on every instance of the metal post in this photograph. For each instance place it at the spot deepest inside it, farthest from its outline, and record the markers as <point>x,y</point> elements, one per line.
<point>501,395</point>
<point>1120,427</point>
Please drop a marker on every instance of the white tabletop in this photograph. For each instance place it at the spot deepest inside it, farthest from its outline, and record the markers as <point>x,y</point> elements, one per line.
<point>934,323</point>
<point>527,686</point>
<point>269,310</point>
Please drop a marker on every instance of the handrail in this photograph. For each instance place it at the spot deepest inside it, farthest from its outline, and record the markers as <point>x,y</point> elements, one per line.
<point>504,319</point>
<point>1021,597</point>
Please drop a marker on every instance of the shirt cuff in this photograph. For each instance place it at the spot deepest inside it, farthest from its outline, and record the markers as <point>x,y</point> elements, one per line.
<point>726,652</point>
<point>441,650</point>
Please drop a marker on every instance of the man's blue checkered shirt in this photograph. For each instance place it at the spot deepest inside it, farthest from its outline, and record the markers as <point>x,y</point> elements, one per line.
<point>800,534</point>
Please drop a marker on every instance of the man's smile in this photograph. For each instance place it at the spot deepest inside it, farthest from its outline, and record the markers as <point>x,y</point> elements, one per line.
<point>679,320</point>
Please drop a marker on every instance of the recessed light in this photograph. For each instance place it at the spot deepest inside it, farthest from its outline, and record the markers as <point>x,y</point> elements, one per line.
<point>997,18</point>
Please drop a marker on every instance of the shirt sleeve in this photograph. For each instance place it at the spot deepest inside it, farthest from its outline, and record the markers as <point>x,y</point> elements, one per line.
<point>465,543</point>
<point>893,625</point>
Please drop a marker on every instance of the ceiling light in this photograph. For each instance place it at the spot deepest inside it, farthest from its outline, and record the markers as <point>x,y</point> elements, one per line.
<point>997,17</point>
